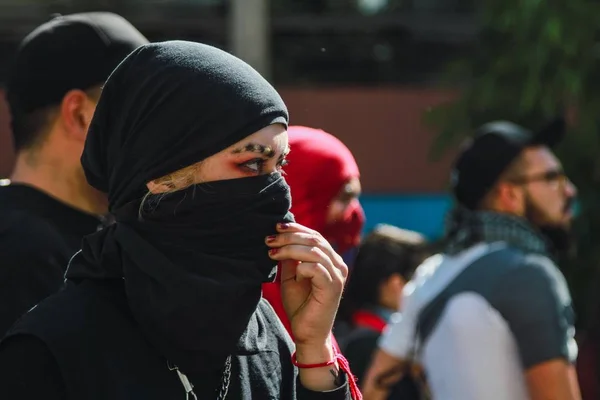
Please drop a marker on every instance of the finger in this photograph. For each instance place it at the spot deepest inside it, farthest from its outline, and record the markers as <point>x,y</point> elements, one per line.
<point>301,238</point>
<point>298,234</point>
<point>320,278</point>
<point>313,239</point>
<point>293,227</point>
<point>303,254</point>
<point>288,270</point>
<point>300,253</point>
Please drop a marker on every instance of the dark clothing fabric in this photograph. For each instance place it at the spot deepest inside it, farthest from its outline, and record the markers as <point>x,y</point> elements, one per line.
<point>359,350</point>
<point>198,251</point>
<point>83,343</point>
<point>359,342</point>
<point>466,228</point>
<point>38,237</point>
<point>188,264</point>
<point>208,258</point>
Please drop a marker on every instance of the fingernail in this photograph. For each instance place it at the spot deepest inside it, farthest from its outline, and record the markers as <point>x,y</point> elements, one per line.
<point>273,251</point>
<point>284,226</point>
<point>271,238</point>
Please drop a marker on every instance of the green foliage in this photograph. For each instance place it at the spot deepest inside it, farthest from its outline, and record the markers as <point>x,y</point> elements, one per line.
<point>536,59</point>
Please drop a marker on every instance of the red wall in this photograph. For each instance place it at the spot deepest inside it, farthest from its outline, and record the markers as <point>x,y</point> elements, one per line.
<point>382,127</point>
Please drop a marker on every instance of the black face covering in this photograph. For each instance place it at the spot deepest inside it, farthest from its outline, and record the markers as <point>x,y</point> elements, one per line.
<point>192,261</point>
<point>226,220</point>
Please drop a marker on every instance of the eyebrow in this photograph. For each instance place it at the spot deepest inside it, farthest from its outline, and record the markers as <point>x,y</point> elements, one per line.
<point>266,151</point>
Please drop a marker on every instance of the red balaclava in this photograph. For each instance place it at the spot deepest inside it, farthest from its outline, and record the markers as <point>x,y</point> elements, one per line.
<point>319,166</point>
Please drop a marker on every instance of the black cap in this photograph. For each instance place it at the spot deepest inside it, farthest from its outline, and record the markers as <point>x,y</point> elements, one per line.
<point>76,51</point>
<point>486,156</point>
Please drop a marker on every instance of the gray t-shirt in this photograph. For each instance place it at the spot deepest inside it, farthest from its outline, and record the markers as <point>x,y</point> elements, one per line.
<point>478,319</point>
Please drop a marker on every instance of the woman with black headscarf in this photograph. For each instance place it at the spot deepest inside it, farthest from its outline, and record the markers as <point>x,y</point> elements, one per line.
<point>188,142</point>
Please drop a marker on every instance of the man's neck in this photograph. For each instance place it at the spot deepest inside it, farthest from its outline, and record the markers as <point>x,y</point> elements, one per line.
<point>55,179</point>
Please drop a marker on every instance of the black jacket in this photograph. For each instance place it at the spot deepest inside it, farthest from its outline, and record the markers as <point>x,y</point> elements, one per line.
<point>83,343</point>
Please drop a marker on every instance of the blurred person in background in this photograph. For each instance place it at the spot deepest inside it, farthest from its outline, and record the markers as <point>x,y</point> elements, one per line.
<point>491,316</point>
<point>52,92</point>
<point>325,184</point>
<point>386,260</point>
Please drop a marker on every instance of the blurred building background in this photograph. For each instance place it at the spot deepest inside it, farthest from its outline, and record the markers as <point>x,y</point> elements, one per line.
<point>364,70</point>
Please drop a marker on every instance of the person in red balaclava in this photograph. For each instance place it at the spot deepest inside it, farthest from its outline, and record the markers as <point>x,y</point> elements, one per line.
<point>325,186</point>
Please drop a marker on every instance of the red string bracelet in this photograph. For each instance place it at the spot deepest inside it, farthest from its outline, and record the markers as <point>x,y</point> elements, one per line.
<point>307,366</point>
<point>343,365</point>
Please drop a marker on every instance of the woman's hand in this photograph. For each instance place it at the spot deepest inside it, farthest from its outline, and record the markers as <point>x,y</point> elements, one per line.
<point>312,280</point>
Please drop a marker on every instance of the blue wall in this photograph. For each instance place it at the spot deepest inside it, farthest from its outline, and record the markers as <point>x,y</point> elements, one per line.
<point>422,213</point>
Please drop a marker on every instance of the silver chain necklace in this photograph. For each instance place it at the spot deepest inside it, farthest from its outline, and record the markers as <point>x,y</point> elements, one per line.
<point>225,380</point>
<point>189,388</point>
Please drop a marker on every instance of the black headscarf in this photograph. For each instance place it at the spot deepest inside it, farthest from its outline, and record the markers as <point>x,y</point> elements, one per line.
<point>192,261</point>
<point>168,106</point>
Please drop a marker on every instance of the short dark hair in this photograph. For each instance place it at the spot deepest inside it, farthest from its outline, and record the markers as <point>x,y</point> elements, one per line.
<point>76,51</point>
<point>30,129</point>
<point>513,171</point>
<point>385,251</point>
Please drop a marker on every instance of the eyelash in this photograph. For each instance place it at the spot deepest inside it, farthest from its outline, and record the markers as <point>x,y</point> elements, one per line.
<point>260,162</point>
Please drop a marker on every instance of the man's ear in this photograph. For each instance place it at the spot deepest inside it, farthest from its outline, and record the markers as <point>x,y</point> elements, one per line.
<point>76,111</point>
<point>510,197</point>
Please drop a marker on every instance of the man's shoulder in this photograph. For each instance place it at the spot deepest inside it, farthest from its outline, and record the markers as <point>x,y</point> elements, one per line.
<point>28,244</point>
<point>27,234</point>
<point>480,266</point>
<point>534,277</point>
<point>517,270</point>
<point>473,269</point>
<point>490,273</point>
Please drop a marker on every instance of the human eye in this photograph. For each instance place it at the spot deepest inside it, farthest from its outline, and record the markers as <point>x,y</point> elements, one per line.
<point>254,165</point>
